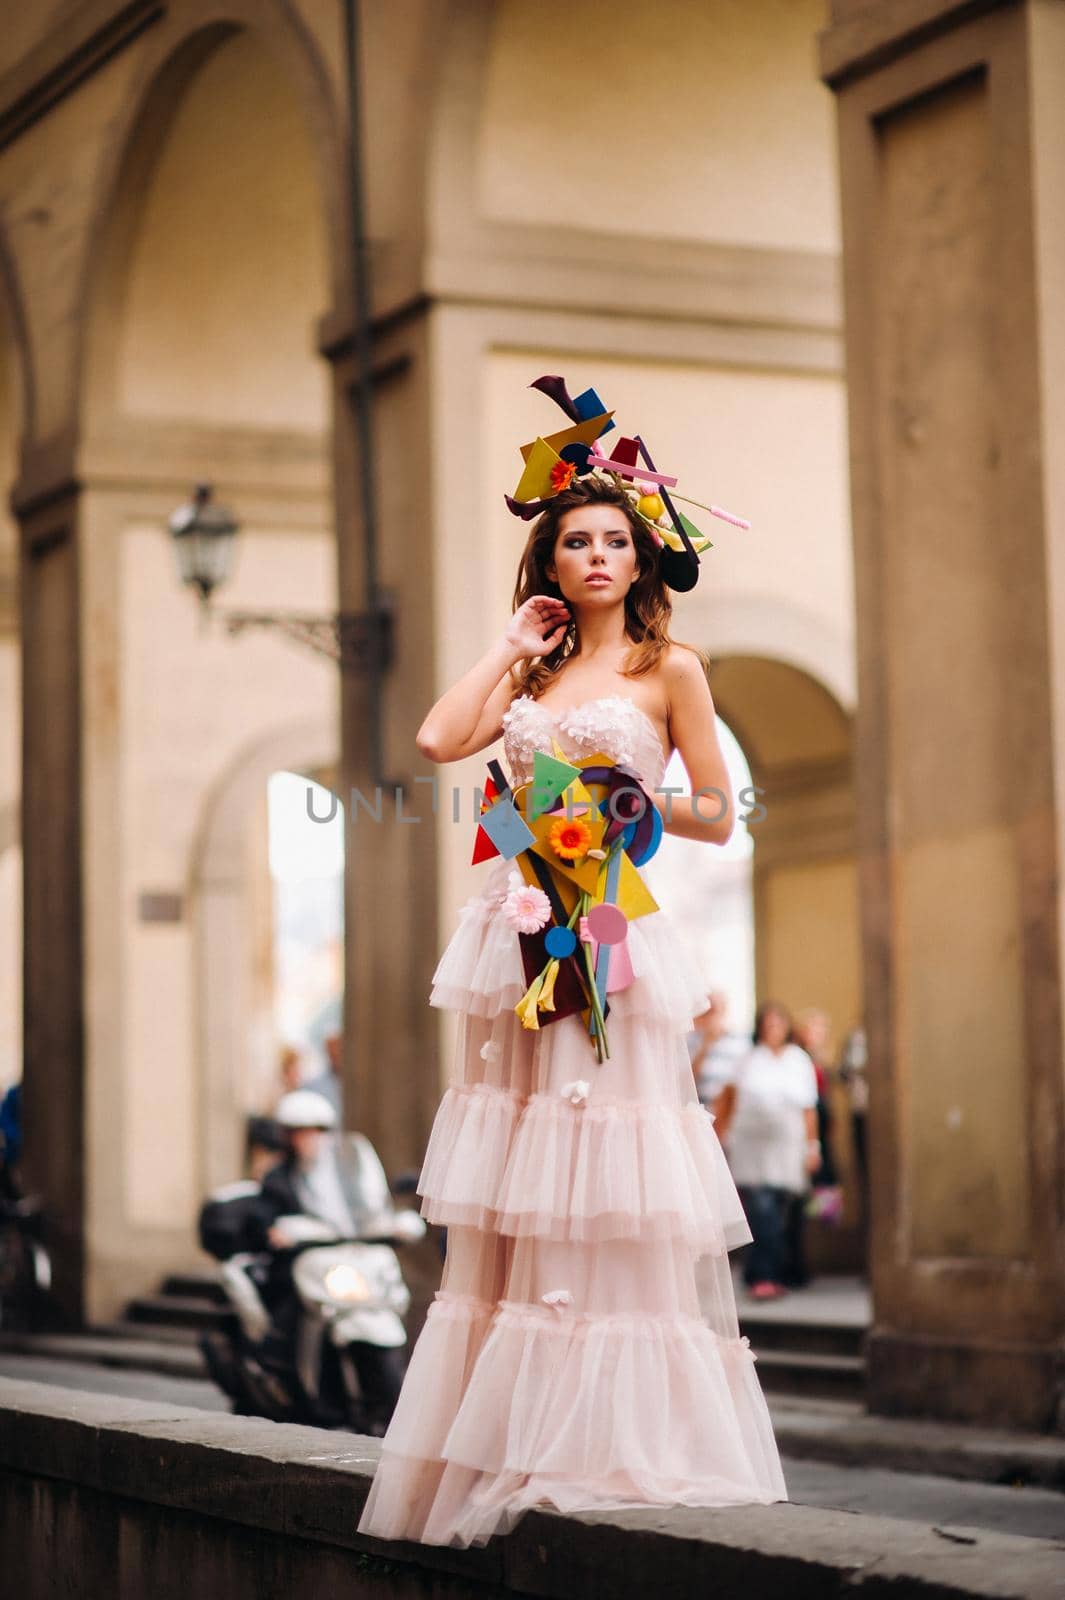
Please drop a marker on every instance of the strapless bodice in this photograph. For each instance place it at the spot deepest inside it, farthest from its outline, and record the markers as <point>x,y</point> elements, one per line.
<point>613,724</point>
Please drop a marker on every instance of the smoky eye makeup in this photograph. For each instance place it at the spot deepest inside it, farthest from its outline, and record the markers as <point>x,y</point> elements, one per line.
<point>620,537</point>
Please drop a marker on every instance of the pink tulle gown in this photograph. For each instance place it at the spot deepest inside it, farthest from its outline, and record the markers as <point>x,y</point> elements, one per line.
<point>583,1350</point>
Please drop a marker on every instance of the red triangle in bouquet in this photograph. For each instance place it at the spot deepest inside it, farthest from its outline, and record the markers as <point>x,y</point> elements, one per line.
<point>483,848</point>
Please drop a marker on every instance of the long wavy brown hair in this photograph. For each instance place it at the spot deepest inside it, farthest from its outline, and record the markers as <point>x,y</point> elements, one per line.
<point>648,607</point>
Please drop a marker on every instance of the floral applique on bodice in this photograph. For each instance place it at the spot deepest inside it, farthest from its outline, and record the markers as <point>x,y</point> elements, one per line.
<point>613,724</point>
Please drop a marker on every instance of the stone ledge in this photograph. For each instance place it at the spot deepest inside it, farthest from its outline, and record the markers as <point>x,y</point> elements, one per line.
<point>222,1476</point>
<point>870,35</point>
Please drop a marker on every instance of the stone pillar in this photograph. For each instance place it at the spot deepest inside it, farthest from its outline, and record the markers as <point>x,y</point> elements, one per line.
<point>53,945</point>
<point>391,1057</point>
<point>952,140</point>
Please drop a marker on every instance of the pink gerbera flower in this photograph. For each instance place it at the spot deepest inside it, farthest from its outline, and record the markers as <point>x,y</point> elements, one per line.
<point>527,909</point>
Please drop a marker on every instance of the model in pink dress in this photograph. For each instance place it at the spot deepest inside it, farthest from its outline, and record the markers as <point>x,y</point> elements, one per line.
<point>568,1358</point>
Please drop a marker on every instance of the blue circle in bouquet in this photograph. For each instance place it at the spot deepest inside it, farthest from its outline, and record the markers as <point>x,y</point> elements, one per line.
<point>653,842</point>
<point>560,942</point>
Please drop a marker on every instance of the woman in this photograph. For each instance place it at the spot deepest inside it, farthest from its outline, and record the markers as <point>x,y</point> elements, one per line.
<point>767,1120</point>
<point>565,1361</point>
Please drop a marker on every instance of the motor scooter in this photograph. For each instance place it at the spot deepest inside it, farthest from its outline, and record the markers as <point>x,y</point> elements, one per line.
<point>316,1334</point>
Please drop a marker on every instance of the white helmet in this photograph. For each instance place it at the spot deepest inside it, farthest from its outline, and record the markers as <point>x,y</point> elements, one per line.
<point>304,1108</point>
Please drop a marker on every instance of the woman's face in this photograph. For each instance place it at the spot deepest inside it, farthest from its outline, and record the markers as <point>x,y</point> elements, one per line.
<point>774,1029</point>
<point>594,561</point>
<point>814,1032</point>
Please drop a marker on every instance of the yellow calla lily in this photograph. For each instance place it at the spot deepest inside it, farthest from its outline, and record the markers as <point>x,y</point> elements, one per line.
<point>546,1001</point>
<point>526,1007</point>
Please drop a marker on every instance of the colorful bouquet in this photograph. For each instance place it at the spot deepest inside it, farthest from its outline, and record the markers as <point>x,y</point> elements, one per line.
<point>577,834</point>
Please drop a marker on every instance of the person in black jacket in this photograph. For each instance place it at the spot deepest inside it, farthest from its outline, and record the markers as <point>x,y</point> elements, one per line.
<point>338,1180</point>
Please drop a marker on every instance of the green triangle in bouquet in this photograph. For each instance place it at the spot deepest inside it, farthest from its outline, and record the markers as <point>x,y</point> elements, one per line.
<point>550,778</point>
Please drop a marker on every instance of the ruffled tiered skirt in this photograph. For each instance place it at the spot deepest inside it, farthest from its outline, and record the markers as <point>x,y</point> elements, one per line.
<point>583,1351</point>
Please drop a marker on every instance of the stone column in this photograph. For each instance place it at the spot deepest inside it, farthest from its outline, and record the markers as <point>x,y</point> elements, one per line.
<point>53,1105</point>
<point>391,1058</point>
<point>952,140</point>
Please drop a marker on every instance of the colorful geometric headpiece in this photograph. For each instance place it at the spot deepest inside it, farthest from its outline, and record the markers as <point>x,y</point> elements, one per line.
<point>555,460</point>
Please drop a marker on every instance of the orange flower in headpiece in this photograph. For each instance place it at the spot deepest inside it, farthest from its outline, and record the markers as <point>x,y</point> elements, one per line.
<point>569,838</point>
<point>562,475</point>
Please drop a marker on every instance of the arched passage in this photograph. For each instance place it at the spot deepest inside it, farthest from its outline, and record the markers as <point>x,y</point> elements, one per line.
<point>799,741</point>
<point>214,265</point>
<point>227,879</point>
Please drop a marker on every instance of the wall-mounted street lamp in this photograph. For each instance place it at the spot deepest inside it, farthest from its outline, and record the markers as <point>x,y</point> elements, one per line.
<point>204,535</point>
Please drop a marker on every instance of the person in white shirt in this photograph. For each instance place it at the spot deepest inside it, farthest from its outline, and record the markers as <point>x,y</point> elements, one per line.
<point>767,1121</point>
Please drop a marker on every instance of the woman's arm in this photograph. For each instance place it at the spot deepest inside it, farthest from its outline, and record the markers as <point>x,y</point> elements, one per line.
<point>709,815</point>
<point>814,1156</point>
<point>724,1109</point>
<point>470,715</point>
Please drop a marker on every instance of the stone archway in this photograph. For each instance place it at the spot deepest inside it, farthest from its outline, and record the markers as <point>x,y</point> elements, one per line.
<point>212,265</point>
<point>798,740</point>
<point>176,56</point>
<point>221,895</point>
<point>798,737</point>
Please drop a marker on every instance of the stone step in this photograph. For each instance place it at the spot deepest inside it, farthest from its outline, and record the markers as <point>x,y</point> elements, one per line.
<point>176,1311</point>
<point>812,1338</point>
<point>101,1349</point>
<point>828,1377</point>
<point>162,1332</point>
<point>193,1286</point>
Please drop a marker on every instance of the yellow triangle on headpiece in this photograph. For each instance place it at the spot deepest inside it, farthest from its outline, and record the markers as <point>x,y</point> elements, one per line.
<point>535,482</point>
<point>586,432</point>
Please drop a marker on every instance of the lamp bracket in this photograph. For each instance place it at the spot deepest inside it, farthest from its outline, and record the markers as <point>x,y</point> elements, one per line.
<point>357,640</point>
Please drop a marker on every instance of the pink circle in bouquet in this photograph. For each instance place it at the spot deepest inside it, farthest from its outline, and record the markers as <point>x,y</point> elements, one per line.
<point>608,924</point>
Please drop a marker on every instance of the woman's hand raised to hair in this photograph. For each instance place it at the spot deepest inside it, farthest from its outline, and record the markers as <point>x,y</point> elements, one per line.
<point>538,626</point>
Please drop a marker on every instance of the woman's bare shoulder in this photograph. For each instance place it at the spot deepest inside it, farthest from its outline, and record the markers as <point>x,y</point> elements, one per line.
<point>682,663</point>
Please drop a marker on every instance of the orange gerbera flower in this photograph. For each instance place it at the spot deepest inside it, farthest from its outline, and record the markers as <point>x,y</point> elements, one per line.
<point>562,475</point>
<point>569,838</point>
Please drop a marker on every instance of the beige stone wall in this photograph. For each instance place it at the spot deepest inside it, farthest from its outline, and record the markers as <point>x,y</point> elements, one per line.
<point>812,954</point>
<point>1047,52</point>
<point>661,122</point>
<point>24,26</point>
<point>228,269</point>
<point>192,704</point>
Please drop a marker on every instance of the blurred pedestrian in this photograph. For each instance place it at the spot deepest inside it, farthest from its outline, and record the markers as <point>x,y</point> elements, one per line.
<point>812,1031</point>
<point>713,1050</point>
<point>329,1082</point>
<point>290,1069</point>
<point>853,1062</point>
<point>10,1141</point>
<point>767,1121</point>
<point>11,1125</point>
